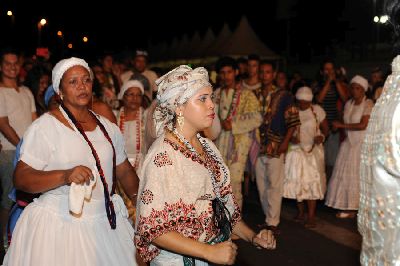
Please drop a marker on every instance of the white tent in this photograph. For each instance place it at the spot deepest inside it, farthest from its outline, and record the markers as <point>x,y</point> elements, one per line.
<point>244,41</point>
<point>209,38</point>
<point>194,44</point>
<point>223,36</point>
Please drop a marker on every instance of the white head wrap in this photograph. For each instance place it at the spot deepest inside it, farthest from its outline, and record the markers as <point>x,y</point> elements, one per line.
<point>133,83</point>
<point>174,89</point>
<point>305,94</point>
<point>62,66</point>
<point>360,80</point>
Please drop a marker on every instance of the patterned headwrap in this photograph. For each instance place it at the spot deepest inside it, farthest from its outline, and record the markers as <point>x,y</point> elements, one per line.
<point>62,66</point>
<point>174,89</point>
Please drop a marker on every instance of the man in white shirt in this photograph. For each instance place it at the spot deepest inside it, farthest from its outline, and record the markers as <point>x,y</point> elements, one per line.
<point>139,64</point>
<point>17,111</point>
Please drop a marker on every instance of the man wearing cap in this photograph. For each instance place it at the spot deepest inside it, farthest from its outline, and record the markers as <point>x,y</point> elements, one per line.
<point>139,63</point>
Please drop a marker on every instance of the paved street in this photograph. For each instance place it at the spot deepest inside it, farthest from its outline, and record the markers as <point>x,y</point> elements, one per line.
<point>333,242</point>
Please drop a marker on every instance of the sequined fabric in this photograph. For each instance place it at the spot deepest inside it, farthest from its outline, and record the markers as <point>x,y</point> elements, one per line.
<point>379,213</point>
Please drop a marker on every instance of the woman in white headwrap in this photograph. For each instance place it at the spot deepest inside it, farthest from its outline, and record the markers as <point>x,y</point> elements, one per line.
<point>304,165</point>
<point>131,121</point>
<point>344,185</point>
<point>186,210</point>
<point>73,157</point>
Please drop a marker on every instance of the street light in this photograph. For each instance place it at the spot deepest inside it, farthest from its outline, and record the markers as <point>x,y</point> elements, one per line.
<point>11,15</point>
<point>85,39</point>
<point>40,24</point>
<point>379,20</point>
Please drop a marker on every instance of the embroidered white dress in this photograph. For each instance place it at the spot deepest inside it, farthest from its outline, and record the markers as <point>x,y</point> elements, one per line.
<point>175,194</point>
<point>344,185</point>
<point>379,213</point>
<point>46,233</point>
<point>305,177</point>
<point>133,132</point>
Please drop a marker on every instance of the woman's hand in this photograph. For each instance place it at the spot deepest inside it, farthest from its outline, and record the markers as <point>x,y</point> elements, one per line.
<point>283,147</point>
<point>319,139</point>
<point>264,239</point>
<point>294,140</point>
<point>79,175</point>
<point>222,253</point>
<point>336,125</point>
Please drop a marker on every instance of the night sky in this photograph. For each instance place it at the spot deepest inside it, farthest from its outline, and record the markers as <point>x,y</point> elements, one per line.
<point>115,27</point>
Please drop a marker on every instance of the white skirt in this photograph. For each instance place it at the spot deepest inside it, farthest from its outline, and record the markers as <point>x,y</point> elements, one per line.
<point>46,234</point>
<point>344,185</point>
<point>305,177</point>
<point>166,258</point>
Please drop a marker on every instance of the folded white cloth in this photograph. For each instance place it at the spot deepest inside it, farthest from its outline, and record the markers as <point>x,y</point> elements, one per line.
<point>79,192</point>
<point>119,205</point>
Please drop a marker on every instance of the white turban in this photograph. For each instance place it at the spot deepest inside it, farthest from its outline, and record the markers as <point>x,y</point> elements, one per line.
<point>174,89</point>
<point>305,94</point>
<point>360,80</point>
<point>133,83</point>
<point>62,66</point>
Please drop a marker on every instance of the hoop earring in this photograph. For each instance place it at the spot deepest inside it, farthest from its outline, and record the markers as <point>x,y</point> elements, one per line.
<point>181,120</point>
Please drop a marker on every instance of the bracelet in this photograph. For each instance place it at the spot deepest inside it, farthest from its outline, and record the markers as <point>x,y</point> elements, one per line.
<point>133,196</point>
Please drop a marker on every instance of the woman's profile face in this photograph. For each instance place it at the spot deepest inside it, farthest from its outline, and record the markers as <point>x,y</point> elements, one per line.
<point>76,86</point>
<point>199,110</point>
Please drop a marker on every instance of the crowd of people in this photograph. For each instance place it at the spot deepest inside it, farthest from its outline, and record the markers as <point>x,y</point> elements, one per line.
<point>123,160</point>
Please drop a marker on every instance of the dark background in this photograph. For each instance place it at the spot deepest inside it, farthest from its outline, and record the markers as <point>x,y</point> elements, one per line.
<point>288,27</point>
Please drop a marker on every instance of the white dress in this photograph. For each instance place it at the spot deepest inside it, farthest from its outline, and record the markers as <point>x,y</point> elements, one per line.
<point>379,213</point>
<point>344,185</point>
<point>305,177</point>
<point>46,233</point>
<point>133,132</point>
<point>175,194</point>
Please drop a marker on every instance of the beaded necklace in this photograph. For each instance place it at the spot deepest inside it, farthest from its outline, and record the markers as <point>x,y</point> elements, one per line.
<point>232,107</point>
<point>222,216</point>
<point>208,153</point>
<point>316,129</point>
<point>107,199</point>
<point>138,130</point>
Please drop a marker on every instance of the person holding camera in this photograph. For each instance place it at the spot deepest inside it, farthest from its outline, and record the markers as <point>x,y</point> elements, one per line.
<point>331,93</point>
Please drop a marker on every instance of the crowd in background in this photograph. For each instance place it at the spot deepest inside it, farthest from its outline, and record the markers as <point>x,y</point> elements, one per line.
<point>297,138</point>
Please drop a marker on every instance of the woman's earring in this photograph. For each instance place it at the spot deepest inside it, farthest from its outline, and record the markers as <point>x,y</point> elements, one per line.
<point>181,120</point>
<point>61,97</point>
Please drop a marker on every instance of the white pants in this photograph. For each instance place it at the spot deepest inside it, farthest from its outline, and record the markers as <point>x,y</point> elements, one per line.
<point>269,177</point>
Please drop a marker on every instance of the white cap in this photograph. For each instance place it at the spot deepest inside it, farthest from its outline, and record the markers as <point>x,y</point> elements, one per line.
<point>133,83</point>
<point>62,66</point>
<point>305,94</point>
<point>360,80</point>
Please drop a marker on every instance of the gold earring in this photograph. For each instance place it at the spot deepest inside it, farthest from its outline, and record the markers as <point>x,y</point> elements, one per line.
<point>61,97</point>
<point>180,120</point>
